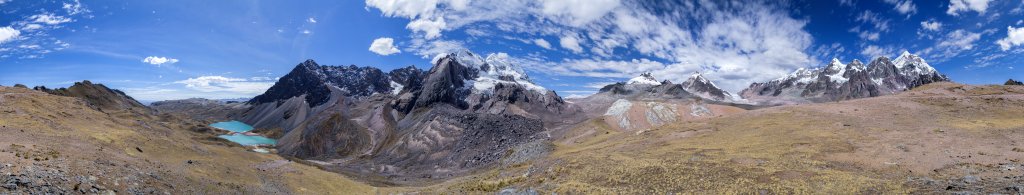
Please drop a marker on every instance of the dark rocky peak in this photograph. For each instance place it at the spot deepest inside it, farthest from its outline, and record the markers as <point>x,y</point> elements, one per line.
<point>446,81</point>
<point>305,79</point>
<point>314,80</point>
<point>98,96</point>
<point>701,86</point>
<point>1013,82</point>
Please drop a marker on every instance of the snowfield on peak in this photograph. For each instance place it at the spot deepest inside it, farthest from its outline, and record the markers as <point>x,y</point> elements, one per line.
<point>497,68</point>
<point>644,79</point>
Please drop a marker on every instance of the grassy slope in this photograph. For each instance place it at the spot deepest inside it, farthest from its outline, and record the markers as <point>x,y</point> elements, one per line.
<point>913,142</point>
<point>87,142</point>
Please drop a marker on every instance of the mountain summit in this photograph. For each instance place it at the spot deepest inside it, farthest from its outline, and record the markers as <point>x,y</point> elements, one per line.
<point>700,86</point>
<point>644,79</point>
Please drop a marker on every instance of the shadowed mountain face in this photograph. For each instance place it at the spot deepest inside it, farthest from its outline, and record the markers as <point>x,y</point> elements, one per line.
<point>841,82</point>
<point>313,80</point>
<point>1013,82</point>
<point>465,113</point>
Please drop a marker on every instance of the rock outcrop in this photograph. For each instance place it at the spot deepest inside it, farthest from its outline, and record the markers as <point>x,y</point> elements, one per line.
<point>98,96</point>
<point>1013,82</point>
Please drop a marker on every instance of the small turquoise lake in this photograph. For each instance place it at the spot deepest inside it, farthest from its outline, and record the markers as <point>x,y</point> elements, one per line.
<point>238,137</point>
<point>235,126</point>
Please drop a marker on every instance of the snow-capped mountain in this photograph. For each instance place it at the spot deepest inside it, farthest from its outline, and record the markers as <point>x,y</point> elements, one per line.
<point>644,79</point>
<point>837,81</point>
<point>648,86</point>
<point>700,86</point>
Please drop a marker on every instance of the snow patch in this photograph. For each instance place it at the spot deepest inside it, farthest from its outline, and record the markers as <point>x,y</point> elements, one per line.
<point>496,69</point>
<point>644,79</point>
<point>396,88</point>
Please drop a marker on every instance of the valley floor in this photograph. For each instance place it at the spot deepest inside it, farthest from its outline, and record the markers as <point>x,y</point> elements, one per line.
<point>938,138</point>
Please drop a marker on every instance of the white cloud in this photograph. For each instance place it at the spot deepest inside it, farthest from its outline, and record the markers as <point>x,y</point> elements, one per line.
<point>261,79</point>
<point>1014,37</point>
<point>311,20</point>
<point>571,43</point>
<point>579,12</point>
<point>158,61</point>
<point>951,45</point>
<point>931,25</point>
<point>960,39</point>
<point>49,19</point>
<point>875,25</point>
<point>430,28</point>
<point>74,8</point>
<point>31,27</point>
<point>876,20</point>
<point>306,32</point>
<point>956,6</point>
<point>873,51</point>
<point>7,34</point>
<point>384,46</point>
<point>873,36</point>
<point>739,43</point>
<point>239,86</point>
<point>542,43</point>
<point>903,6</point>
<point>428,49</point>
<point>212,87</point>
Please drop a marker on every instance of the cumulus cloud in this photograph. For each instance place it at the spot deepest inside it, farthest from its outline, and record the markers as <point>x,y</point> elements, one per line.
<point>1014,37</point>
<point>738,42</point>
<point>159,61</point>
<point>384,46</point>
<point>957,6</point>
<point>7,33</point>
<point>311,20</point>
<point>571,43</point>
<point>542,43</point>
<point>931,25</point>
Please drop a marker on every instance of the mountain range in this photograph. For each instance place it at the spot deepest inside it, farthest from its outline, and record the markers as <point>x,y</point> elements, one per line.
<point>838,81</point>
<point>479,124</point>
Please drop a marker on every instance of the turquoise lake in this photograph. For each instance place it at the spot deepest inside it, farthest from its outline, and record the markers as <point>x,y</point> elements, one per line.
<point>245,140</point>
<point>235,126</point>
<point>248,140</point>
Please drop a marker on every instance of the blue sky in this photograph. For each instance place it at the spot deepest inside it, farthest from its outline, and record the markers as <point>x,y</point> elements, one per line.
<point>157,50</point>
